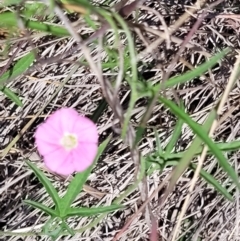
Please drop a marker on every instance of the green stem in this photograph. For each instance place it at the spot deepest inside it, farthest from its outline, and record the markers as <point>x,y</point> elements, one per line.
<point>231,146</point>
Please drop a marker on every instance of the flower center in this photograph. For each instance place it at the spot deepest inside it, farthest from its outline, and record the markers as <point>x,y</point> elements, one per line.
<point>69,141</point>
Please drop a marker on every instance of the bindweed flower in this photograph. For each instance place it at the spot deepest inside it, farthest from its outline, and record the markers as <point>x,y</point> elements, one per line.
<point>67,141</point>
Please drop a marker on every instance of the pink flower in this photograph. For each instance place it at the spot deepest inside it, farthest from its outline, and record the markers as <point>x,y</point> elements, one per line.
<point>67,141</point>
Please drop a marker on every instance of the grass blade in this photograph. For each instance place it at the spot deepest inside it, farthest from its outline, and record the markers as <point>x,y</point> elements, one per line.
<point>102,106</point>
<point>86,212</point>
<point>176,133</point>
<point>226,147</point>
<point>196,72</point>
<point>48,28</point>
<point>188,155</point>
<point>47,184</point>
<point>205,175</point>
<point>20,67</point>
<point>76,184</point>
<point>153,91</point>
<point>42,207</point>
<point>211,180</point>
<point>9,19</point>
<point>203,135</point>
<point>12,96</point>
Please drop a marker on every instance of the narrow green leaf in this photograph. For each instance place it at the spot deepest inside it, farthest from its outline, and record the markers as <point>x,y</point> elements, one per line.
<point>121,197</point>
<point>86,212</point>
<point>81,3</point>
<point>64,225</point>
<point>48,28</point>
<point>205,175</point>
<point>20,67</point>
<point>189,154</point>
<point>134,78</point>
<point>12,96</point>
<point>211,180</point>
<point>198,130</point>
<point>158,144</point>
<point>47,184</point>
<point>174,138</point>
<point>77,182</point>
<point>139,133</point>
<point>35,9</point>
<point>153,91</point>
<point>53,228</point>
<point>198,71</point>
<point>102,106</point>
<point>226,147</point>
<point>190,75</point>
<point>90,22</point>
<point>9,19</point>
<point>229,146</point>
<point>42,207</point>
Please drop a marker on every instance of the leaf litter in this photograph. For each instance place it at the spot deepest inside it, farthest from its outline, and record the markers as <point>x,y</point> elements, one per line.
<point>208,216</point>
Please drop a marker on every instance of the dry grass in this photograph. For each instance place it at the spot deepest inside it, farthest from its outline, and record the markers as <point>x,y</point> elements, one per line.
<point>208,216</point>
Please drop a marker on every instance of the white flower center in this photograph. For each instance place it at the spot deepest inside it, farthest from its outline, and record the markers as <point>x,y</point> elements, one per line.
<point>69,141</point>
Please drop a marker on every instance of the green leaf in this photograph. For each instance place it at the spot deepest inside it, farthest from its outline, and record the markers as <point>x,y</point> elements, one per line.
<point>12,96</point>
<point>153,91</point>
<point>102,106</point>
<point>198,71</point>
<point>208,178</point>
<point>42,207</point>
<point>86,212</point>
<point>174,138</point>
<point>47,184</point>
<point>203,135</point>
<point>78,181</point>
<point>195,145</point>
<point>48,28</point>
<point>20,67</point>
<point>139,134</point>
<point>9,19</point>
<point>134,78</point>
<point>230,146</point>
<point>211,180</point>
<point>158,144</point>
<point>53,228</point>
<point>190,75</point>
<point>66,226</point>
<point>35,9</point>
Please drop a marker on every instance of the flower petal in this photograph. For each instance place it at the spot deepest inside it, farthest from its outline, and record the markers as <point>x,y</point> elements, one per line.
<point>46,148</point>
<point>47,134</point>
<point>83,156</point>
<point>63,119</point>
<point>85,130</point>
<point>48,140</point>
<point>54,160</point>
<point>67,167</point>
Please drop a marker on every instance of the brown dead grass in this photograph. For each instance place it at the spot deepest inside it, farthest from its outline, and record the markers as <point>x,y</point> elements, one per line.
<point>208,216</point>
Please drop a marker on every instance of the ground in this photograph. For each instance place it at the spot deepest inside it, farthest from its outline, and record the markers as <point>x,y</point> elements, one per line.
<point>209,215</point>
